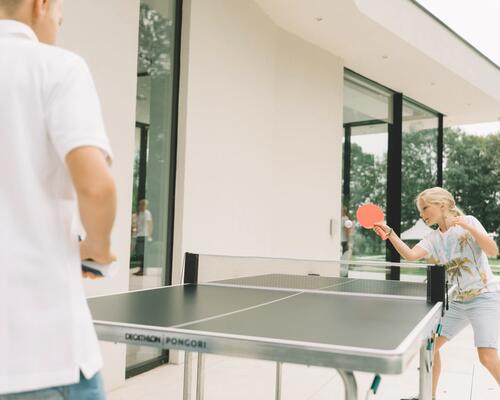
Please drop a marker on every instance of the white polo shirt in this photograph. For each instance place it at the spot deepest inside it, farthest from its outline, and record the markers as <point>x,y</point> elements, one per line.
<point>143,217</point>
<point>48,107</point>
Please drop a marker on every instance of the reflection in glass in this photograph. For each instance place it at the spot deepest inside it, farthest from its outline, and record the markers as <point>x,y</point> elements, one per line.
<point>368,178</point>
<point>365,102</point>
<point>367,113</point>
<point>150,215</point>
<point>419,165</point>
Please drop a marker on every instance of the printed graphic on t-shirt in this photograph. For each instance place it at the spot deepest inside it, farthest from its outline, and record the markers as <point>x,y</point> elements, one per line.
<point>466,264</point>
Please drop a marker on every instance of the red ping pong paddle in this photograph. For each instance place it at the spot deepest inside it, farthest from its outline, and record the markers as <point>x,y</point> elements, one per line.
<point>368,214</point>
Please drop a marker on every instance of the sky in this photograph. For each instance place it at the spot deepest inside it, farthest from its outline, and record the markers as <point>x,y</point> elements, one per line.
<point>477,21</point>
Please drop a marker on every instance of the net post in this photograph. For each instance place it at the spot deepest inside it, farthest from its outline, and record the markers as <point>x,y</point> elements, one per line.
<point>436,283</point>
<point>191,263</point>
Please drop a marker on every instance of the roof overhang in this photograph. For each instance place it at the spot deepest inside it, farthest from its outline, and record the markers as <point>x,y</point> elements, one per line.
<point>398,44</point>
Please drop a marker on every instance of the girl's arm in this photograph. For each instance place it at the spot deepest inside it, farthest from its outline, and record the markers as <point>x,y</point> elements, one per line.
<point>486,243</point>
<point>416,253</point>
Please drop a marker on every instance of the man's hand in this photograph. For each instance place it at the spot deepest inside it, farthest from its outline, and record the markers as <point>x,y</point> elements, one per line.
<point>98,251</point>
<point>90,275</point>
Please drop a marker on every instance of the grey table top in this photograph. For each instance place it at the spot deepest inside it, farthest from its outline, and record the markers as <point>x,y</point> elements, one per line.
<point>413,290</point>
<point>282,312</point>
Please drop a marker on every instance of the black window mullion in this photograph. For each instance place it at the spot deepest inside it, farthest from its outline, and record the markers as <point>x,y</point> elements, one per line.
<point>394,175</point>
<point>346,191</point>
<point>143,162</point>
<point>440,150</point>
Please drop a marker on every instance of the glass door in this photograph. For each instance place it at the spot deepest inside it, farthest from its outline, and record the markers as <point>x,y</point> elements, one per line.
<point>367,178</point>
<point>367,115</point>
<point>154,164</point>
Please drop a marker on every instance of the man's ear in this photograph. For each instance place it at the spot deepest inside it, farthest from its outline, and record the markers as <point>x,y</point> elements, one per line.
<point>40,7</point>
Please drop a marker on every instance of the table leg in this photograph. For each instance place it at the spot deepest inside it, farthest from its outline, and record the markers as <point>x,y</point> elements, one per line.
<point>188,375</point>
<point>278,380</point>
<point>425,374</point>
<point>200,377</point>
<point>351,388</point>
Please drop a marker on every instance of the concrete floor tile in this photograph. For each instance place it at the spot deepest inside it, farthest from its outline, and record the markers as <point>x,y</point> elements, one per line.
<point>228,378</point>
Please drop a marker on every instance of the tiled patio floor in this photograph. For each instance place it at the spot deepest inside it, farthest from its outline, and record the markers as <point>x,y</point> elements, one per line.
<point>226,378</point>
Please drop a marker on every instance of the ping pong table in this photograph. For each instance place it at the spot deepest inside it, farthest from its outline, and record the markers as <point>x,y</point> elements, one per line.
<point>348,324</point>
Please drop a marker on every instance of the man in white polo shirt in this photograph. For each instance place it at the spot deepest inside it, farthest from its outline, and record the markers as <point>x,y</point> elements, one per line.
<point>53,163</point>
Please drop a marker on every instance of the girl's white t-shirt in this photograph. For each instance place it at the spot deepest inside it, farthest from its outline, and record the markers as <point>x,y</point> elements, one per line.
<point>466,263</point>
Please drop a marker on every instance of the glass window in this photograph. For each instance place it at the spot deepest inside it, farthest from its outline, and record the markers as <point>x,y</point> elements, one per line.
<point>367,117</point>
<point>419,165</point>
<point>151,218</point>
<point>368,177</point>
<point>365,102</point>
<point>367,113</point>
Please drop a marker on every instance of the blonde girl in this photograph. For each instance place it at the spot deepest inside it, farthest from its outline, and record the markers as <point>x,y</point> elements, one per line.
<point>462,245</point>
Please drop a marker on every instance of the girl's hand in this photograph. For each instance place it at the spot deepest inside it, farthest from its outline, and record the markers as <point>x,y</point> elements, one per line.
<point>457,221</point>
<point>382,230</point>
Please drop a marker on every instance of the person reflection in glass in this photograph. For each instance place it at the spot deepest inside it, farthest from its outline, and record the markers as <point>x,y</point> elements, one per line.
<point>346,231</point>
<point>144,232</point>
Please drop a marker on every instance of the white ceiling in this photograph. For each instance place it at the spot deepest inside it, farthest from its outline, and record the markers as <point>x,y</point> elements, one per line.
<point>395,43</point>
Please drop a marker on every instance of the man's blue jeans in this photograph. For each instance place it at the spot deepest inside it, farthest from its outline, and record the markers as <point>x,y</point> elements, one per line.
<point>86,389</point>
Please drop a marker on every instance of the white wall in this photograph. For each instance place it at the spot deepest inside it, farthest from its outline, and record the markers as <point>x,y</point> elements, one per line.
<point>105,34</point>
<point>260,133</point>
<point>259,170</point>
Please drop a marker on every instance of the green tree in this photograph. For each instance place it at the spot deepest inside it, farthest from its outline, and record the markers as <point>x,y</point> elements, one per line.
<point>368,184</point>
<point>419,171</point>
<point>471,174</point>
<point>155,33</point>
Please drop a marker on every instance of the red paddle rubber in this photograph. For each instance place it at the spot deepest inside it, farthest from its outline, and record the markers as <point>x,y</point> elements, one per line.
<point>368,214</point>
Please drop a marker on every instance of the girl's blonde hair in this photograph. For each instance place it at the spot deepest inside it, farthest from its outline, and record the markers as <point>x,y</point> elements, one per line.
<point>438,195</point>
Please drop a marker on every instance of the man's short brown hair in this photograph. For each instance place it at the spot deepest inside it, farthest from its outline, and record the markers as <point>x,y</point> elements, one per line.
<point>10,6</point>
